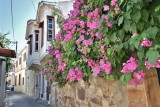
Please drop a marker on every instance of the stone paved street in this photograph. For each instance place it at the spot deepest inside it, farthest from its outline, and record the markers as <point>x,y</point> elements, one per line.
<point>14,99</point>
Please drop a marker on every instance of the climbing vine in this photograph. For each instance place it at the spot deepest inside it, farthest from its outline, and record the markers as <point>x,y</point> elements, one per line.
<point>112,39</point>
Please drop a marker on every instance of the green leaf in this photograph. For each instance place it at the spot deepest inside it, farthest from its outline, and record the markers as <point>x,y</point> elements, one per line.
<point>120,20</point>
<point>140,54</point>
<point>126,77</point>
<point>101,20</point>
<point>136,16</point>
<point>145,15</point>
<point>133,28</point>
<point>128,7</point>
<point>109,51</point>
<point>157,47</point>
<point>113,37</point>
<point>121,34</point>
<point>140,25</point>
<point>157,9</point>
<point>152,21</point>
<point>152,31</point>
<point>118,47</point>
<point>127,15</point>
<point>136,44</point>
<point>152,56</point>
<point>126,25</point>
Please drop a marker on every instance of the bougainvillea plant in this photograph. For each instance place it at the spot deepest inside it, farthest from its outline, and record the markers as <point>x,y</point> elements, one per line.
<point>112,39</point>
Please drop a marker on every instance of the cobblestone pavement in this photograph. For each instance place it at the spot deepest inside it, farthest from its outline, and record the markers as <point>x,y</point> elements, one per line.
<point>14,99</point>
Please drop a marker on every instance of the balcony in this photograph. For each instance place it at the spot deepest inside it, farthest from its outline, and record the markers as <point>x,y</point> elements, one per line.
<point>33,61</point>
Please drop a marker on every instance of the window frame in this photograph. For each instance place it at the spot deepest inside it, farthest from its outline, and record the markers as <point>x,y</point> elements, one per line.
<point>23,80</point>
<point>53,28</point>
<point>41,25</point>
<point>19,82</point>
<point>20,60</point>
<point>24,57</point>
<point>36,40</point>
<point>30,44</point>
<point>15,81</point>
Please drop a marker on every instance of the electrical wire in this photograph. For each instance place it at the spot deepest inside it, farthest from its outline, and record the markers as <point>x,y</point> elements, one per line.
<point>33,5</point>
<point>12,20</point>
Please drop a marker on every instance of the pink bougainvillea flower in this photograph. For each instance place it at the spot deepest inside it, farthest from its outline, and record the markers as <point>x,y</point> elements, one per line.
<point>98,35</point>
<point>139,75</point>
<point>130,66</point>
<point>68,37</point>
<point>106,7</point>
<point>50,62</point>
<point>58,36</point>
<point>109,24</point>
<point>134,82</point>
<point>107,67</point>
<point>96,70</point>
<point>147,64</point>
<point>51,76</point>
<point>138,78</point>
<point>116,7</point>
<point>80,39</point>
<point>146,43</point>
<point>75,74</point>
<point>61,67</point>
<point>93,24</point>
<point>102,49</point>
<point>157,64</point>
<point>79,74</point>
<point>113,2</point>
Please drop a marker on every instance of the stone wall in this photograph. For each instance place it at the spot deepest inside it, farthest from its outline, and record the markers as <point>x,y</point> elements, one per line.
<point>96,92</point>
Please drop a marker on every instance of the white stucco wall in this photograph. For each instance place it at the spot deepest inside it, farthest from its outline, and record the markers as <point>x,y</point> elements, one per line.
<point>2,80</point>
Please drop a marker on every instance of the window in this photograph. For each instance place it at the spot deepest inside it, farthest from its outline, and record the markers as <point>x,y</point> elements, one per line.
<point>41,25</point>
<point>19,79</point>
<point>23,80</point>
<point>15,80</point>
<point>36,40</point>
<point>30,45</point>
<point>16,63</point>
<point>19,60</point>
<point>50,28</point>
<point>24,56</point>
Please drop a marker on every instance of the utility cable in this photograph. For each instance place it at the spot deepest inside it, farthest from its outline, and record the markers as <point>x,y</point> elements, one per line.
<point>12,21</point>
<point>33,5</point>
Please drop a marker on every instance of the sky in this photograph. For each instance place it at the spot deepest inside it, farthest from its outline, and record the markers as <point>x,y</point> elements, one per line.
<point>23,10</point>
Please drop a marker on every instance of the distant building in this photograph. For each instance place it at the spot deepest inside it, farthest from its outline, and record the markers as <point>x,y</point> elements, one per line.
<point>11,75</point>
<point>22,80</point>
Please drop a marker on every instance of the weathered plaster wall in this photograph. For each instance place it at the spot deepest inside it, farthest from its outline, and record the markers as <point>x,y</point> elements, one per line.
<point>2,81</point>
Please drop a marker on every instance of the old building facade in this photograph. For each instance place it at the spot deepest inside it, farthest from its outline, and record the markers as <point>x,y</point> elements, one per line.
<point>39,33</point>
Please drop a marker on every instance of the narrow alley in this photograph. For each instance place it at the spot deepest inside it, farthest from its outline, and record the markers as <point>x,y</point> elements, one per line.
<point>14,99</point>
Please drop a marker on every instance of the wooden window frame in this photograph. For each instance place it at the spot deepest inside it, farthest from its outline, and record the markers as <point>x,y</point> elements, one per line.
<point>36,40</point>
<point>53,28</point>
<point>30,44</point>
<point>41,25</point>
